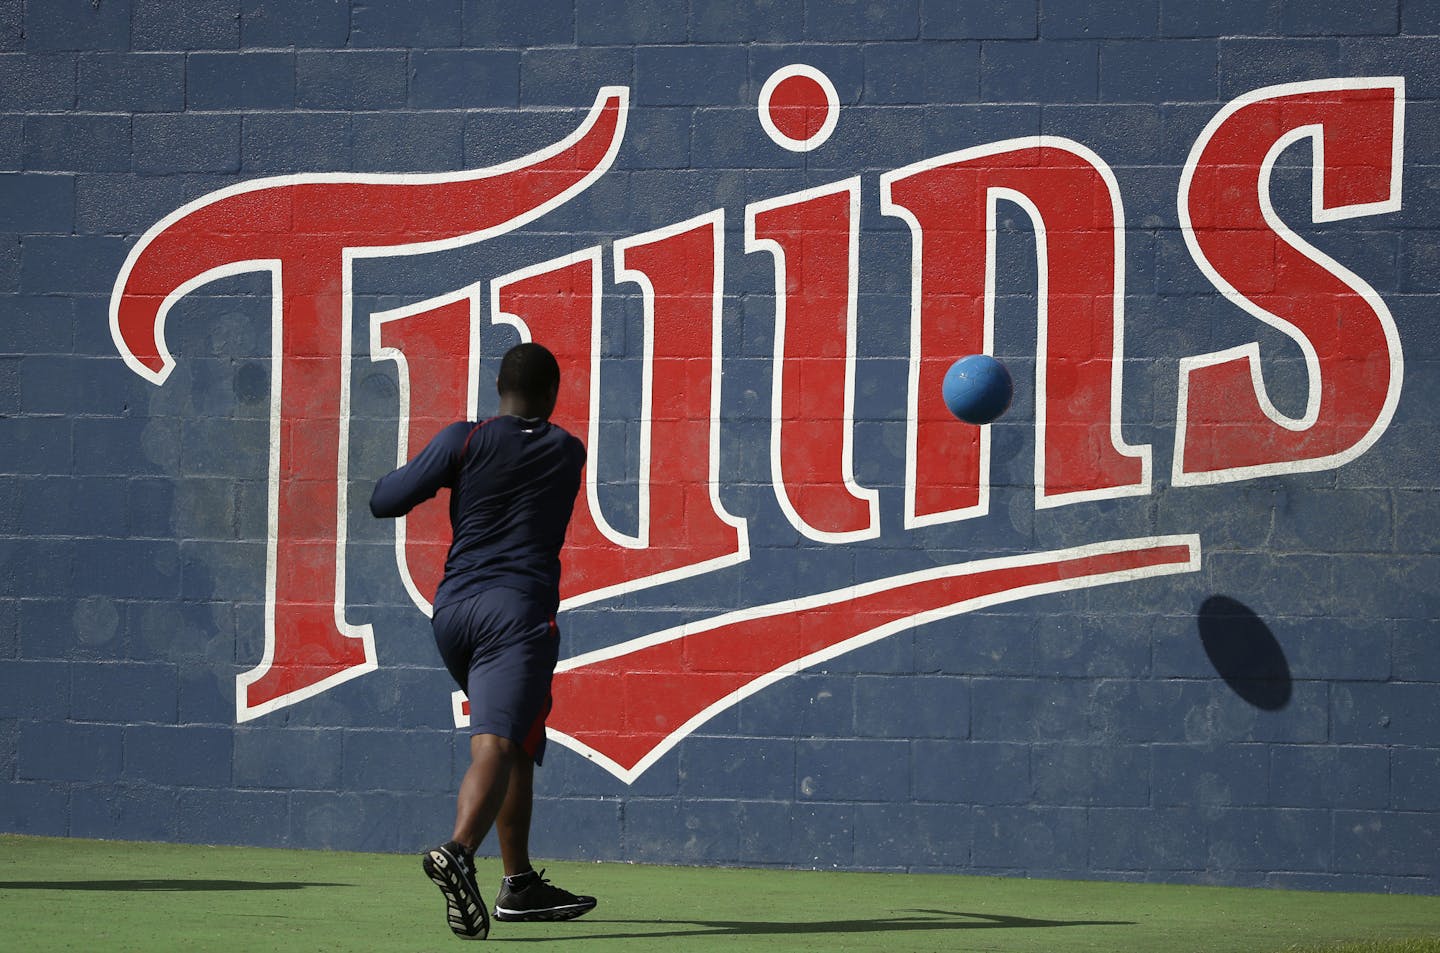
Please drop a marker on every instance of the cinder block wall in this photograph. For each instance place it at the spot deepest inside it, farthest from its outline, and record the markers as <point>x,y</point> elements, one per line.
<point>1267,716</point>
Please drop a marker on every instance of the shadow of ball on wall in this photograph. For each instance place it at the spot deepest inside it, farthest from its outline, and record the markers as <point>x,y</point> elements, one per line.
<point>1245,652</point>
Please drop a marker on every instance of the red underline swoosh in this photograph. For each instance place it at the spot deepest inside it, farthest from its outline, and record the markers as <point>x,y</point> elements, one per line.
<point>625,706</point>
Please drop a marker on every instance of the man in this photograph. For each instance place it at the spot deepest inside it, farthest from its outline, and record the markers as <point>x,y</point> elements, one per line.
<point>513,481</point>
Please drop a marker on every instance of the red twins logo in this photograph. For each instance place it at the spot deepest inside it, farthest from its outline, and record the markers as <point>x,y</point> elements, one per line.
<point>626,705</point>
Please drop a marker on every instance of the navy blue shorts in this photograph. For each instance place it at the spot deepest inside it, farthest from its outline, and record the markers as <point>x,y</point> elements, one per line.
<point>501,647</point>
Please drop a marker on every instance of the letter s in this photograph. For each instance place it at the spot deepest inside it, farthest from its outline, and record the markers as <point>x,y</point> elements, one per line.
<point>1227,427</point>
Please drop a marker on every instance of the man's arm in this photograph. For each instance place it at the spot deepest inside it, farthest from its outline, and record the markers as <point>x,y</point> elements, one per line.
<point>400,491</point>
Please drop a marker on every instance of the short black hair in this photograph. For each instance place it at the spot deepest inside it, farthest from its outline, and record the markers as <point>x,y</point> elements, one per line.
<point>530,371</point>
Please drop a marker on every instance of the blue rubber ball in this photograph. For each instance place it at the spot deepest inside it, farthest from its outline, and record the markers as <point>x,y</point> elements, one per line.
<point>978,389</point>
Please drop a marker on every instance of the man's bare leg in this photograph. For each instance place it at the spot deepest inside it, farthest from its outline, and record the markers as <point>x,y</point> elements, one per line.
<point>483,790</point>
<point>451,866</point>
<point>524,895</point>
<point>512,824</point>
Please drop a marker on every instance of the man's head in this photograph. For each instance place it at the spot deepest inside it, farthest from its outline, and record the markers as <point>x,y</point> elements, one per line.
<point>529,381</point>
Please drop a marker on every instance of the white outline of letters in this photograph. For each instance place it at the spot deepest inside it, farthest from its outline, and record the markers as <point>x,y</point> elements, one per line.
<point>641,540</point>
<point>832,108</point>
<point>1319,213</point>
<point>1043,499</point>
<point>378,353</point>
<point>243,711</point>
<point>847,450</point>
<point>716,220</point>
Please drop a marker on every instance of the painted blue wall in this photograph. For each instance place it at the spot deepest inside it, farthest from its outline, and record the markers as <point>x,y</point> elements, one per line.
<point>1272,719</point>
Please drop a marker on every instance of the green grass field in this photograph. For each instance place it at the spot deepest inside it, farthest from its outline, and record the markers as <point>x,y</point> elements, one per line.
<point>64,894</point>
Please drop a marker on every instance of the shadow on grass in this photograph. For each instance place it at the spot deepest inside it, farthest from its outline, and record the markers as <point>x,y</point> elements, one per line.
<point>923,920</point>
<point>159,886</point>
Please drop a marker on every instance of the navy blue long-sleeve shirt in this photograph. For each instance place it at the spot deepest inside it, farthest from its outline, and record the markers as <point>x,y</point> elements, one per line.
<point>513,485</point>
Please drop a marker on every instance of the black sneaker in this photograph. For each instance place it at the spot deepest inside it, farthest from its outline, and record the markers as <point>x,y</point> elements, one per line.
<point>452,868</point>
<point>532,897</point>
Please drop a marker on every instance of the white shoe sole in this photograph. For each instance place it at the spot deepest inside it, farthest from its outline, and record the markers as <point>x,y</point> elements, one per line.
<point>548,915</point>
<point>442,870</point>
